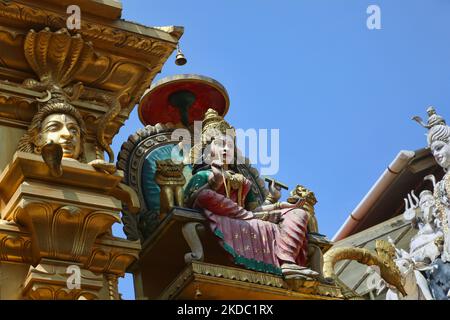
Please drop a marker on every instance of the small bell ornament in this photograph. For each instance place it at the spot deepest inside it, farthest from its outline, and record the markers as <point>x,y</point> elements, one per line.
<point>180,59</point>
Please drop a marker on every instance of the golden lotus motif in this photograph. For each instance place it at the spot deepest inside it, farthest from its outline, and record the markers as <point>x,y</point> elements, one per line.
<point>52,223</point>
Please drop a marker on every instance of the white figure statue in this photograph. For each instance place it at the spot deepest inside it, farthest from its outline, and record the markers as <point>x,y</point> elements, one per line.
<point>415,284</point>
<point>413,281</point>
<point>423,248</point>
<point>425,268</point>
<point>439,143</point>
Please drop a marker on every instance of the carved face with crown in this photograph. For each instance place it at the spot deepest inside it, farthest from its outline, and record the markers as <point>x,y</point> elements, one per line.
<point>56,122</point>
<point>438,137</point>
<point>218,141</point>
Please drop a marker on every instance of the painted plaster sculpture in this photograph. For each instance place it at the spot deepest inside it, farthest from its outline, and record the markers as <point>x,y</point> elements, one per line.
<point>271,237</point>
<point>438,139</point>
<point>425,267</point>
<point>425,246</point>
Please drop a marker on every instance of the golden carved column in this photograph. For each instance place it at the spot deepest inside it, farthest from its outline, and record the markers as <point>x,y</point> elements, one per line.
<point>63,227</point>
<point>55,232</point>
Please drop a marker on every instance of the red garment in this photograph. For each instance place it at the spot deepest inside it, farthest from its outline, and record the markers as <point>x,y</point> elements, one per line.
<point>254,239</point>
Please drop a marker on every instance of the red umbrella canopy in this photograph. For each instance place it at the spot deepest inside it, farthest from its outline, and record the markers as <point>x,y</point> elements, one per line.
<point>182,99</point>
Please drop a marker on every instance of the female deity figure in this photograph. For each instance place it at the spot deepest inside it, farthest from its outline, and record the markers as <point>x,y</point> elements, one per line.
<point>269,238</point>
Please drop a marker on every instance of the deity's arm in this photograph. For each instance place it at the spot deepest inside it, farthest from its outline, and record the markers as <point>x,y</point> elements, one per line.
<point>269,203</point>
<point>275,206</point>
<point>265,211</point>
<point>274,193</point>
<point>200,192</point>
<point>195,185</point>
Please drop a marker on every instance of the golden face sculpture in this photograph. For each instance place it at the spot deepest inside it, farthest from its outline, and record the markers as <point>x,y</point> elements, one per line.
<point>64,130</point>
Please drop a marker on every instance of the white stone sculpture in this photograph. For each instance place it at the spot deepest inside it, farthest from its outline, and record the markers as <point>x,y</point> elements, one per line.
<point>425,271</point>
<point>414,283</point>
<point>423,248</point>
<point>439,143</point>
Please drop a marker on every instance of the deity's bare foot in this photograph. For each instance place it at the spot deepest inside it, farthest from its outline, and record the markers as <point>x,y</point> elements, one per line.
<point>293,271</point>
<point>102,165</point>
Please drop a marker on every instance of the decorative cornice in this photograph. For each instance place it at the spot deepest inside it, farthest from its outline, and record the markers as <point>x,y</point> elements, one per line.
<point>113,255</point>
<point>245,276</point>
<point>127,58</point>
<point>15,245</point>
<point>37,17</point>
<point>109,254</point>
<point>49,279</point>
<point>18,105</point>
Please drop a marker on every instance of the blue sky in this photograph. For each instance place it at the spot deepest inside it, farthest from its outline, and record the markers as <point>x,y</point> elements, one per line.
<point>342,95</point>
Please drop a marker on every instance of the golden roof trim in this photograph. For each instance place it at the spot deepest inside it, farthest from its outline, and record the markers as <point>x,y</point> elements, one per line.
<point>128,35</point>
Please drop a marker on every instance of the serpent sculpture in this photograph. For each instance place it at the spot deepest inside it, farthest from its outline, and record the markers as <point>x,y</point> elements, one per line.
<point>384,259</point>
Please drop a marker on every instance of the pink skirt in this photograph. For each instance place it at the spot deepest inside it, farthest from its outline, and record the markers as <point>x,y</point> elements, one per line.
<point>258,245</point>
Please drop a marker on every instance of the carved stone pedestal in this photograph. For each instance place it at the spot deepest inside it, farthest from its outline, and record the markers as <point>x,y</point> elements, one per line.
<point>183,260</point>
<point>55,280</point>
<point>62,228</point>
<point>207,281</point>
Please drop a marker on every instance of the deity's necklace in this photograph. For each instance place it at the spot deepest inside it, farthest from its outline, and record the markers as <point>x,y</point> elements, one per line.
<point>225,183</point>
<point>233,181</point>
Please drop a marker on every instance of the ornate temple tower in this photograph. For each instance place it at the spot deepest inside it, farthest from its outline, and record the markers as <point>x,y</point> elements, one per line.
<point>68,82</point>
<point>213,229</point>
<point>182,255</point>
<point>64,94</point>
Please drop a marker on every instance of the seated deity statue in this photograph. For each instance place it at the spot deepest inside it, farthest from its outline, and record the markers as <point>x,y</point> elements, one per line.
<point>58,131</point>
<point>271,237</point>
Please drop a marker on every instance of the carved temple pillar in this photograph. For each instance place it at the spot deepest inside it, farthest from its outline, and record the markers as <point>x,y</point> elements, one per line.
<point>55,232</point>
<point>63,229</point>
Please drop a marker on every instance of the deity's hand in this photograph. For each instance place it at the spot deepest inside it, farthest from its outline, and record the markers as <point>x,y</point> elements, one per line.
<point>104,166</point>
<point>288,205</point>
<point>274,192</point>
<point>411,206</point>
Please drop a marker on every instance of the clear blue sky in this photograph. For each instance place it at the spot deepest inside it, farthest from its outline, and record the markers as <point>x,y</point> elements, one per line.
<point>341,95</point>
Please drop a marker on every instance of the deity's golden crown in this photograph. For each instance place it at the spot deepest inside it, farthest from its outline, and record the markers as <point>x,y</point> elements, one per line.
<point>214,124</point>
